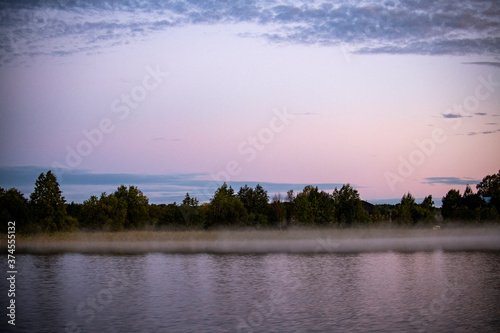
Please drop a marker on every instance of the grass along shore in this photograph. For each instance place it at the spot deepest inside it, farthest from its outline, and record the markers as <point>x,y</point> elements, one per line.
<point>329,240</point>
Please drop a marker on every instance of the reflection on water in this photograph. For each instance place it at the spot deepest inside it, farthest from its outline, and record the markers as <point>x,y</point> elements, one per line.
<point>433,292</point>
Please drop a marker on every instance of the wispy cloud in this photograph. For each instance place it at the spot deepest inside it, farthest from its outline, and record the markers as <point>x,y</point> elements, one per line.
<point>457,115</point>
<point>65,27</point>
<point>453,115</point>
<point>486,63</point>
<point>450,180</point>
<point>483,132</point>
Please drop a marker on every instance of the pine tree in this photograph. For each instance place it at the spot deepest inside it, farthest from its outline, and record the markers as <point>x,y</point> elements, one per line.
<point>48,204</point>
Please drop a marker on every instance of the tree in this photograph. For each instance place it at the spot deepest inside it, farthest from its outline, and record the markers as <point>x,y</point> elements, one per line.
<point>425,211</point>
<point>74,210</point>
<point>256,205</point>
<point>261,199</point>
<point>190,211</point>
<point>472,204</point>
<point>14,207</point>
<point>376,215</point>
<point>92,215</point>
<point>254,200</point>
<point>468,207</point>
<point>136,204</point>
<point>348,206</point>
<point>314,207</point>
<point>489,187</point>
<point>156,212</point>
<point>48,204</point>
<point>279,210</point>
<point>172,216</point>
<point>403,211</point>
<point>427,203</point>
<point>116,211</point>
<point>289,206</point>
<point>303,207</point>
<point>245,194</point>
<point>225,208</point>
<point>451,205</point>
<point>409,212</point>
<point>106,213</point>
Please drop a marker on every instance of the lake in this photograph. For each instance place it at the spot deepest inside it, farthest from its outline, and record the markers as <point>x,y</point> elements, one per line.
<point>157,292</point>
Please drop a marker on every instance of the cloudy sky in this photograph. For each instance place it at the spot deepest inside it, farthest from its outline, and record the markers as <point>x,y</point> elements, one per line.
<point>177,96</point>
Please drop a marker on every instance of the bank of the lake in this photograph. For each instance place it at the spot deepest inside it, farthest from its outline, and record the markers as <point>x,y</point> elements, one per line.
<point>330,240</point>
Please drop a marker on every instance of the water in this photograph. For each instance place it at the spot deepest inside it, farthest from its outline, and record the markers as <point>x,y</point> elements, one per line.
<point>366,292</point>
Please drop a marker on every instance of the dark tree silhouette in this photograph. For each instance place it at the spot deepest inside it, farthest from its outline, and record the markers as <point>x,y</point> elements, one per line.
<point>48,204</point>
<point>14,207</point>
<point>136,204</point>
<point>348,206</point>
<point>225,208</point>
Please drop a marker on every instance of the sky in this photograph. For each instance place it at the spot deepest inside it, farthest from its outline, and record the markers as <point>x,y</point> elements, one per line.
<point>179,96</point>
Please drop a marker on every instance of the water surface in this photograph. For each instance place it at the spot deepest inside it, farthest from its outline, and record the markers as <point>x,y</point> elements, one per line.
<point>366,292</point>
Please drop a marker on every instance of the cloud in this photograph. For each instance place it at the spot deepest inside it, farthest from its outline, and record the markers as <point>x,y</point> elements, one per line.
<point>456,115</point>
<point>491,123</point>
<point>486,63</point>
<point>453,115</point>
<point>79,185</point>
<point>450,181</point>
<point>64,27</point>
<point>484,132</point>
<point>20,175</point>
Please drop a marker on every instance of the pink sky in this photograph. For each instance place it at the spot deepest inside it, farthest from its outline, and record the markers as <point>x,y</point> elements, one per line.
<point>352,116</point>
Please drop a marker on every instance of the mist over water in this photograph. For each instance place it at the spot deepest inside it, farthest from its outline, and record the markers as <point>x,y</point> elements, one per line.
<point>308,241</point>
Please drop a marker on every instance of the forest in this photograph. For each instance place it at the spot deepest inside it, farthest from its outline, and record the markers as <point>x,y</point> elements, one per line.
<point>47,211</point>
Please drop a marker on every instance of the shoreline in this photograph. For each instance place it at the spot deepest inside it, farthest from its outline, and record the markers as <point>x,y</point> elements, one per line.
<point>306,241</point>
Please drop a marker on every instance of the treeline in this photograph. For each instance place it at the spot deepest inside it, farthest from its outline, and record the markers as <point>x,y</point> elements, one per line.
<point>128,208</point>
